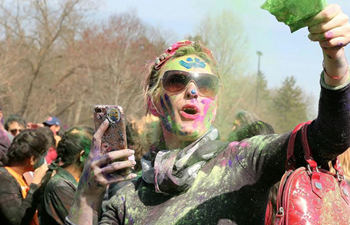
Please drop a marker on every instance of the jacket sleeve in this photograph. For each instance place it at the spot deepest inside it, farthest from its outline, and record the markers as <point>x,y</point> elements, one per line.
<point>114,212</point>
<point>264,157</point>
<point>14,209</point>
<point>58,199</point>
<point>329,134</point>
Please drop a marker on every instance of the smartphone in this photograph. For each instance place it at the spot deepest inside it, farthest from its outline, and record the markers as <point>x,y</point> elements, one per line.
<point>114,137</point>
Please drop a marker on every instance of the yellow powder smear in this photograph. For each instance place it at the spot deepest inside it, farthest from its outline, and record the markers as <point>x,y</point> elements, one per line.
<point>334,209</point>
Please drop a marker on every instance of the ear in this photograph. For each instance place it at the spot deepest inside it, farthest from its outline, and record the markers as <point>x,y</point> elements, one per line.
<point>152,108</point>
<point>32,161</point>
<point>81,156</point>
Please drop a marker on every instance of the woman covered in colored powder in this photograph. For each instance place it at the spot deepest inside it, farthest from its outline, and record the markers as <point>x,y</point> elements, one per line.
<point>19,200</point>
<point>72,151</point>
<point>194,178</point>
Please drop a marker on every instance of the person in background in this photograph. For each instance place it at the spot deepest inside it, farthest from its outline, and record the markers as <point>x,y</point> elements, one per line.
<point>247,125</point>
<point>4,139</point>
<point>55,125</point>
<point>51,152</point>
<point>28,176</point>
<point>59,192</point>
<point>18,200</point>
<point>15,124</point>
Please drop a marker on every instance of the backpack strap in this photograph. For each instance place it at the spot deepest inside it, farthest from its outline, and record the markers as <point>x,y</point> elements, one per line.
<point>290,163</point>
<point>308,156</point>
<point>312,164</point>
<point>305,143</point>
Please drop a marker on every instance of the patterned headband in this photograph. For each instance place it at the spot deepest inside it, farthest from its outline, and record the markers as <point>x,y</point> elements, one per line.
<point>172,50</point>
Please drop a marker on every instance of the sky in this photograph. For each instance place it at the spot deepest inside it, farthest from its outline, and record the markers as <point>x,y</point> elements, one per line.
<point>284,53</point>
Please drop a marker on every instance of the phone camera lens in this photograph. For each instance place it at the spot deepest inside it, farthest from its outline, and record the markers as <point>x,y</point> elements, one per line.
<point>113,115</point>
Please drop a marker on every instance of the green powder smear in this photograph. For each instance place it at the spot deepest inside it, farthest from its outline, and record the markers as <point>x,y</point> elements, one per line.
<point>294,13</point>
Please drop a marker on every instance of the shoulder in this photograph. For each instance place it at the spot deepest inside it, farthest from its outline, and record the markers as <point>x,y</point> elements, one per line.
<point>116,195</point>
<point>259,142</point>
<point>59,184</point>
<point>127,188</point>
<point>4,172</point>
<point>5,175</point>
<point>256,147</point>
<point>10,191</point>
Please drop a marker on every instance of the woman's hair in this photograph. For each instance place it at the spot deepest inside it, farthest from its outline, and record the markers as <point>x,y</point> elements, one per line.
<point>49,136</point>
<point>152,81</point>
<point>26,144</point>
<point>72,143</point>
<point>344,160</point>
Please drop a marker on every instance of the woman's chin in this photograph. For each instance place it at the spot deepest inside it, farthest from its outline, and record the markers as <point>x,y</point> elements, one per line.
<point>192,134</point>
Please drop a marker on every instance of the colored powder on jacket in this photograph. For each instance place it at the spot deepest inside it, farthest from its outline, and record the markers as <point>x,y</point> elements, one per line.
<point>233,187</point>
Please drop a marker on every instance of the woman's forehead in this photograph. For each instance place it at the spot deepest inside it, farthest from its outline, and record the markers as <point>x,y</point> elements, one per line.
<point>190,63</point>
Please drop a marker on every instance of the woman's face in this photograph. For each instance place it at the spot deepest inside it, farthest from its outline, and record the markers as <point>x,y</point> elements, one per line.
<point>187,110</point>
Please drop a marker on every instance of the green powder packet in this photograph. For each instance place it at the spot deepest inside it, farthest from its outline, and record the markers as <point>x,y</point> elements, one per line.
<point>294,13</point>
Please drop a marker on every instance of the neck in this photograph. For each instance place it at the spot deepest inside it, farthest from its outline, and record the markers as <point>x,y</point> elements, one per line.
<point>20,169</point>
<point>172,141</point>
<point>74,170</point>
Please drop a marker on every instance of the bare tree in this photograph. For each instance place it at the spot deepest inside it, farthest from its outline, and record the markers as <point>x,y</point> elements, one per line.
<point>34,36</point>
<point>224,35</point>
<point>55,62</point>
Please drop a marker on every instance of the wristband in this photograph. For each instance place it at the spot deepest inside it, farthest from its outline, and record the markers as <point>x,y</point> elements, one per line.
<point>334,77</point>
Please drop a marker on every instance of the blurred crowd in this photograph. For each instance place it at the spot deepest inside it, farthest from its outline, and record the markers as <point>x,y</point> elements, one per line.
<point>41,164</point>
<point>40,167</point>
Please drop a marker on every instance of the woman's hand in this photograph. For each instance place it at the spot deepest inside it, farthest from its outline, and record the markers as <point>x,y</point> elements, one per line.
<point>331,29</point>
<point>97,174</point>
<point>39,173</point>
<point>101,169</point>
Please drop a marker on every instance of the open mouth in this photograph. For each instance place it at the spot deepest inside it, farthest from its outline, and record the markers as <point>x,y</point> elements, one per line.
<point>190,111</point>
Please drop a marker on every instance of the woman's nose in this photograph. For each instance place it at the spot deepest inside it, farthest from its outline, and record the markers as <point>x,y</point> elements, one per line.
<point>191,90</point>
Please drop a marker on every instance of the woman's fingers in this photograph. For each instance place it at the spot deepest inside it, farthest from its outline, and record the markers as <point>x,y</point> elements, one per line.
<point>111,156</point>
<point>114,167</point>
<point>331,29</point>
<point>121,178</point>
<point>101,130</point>
<point>331,35</point>
<point>109,174</point>
<point>98,137</point>
<point>325,15</point>
<point>335,42</point>
<point>326,26</point>
<point>339,28</point>
<point>117,178</point>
